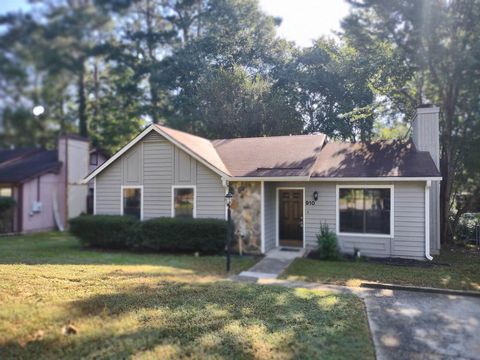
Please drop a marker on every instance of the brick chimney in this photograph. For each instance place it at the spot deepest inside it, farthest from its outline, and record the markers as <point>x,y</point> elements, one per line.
<point>426,137</point>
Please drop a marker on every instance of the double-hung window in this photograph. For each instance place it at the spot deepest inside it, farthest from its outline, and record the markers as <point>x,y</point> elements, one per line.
<point>365,210</point>
<point>132,201</point>
<point>183,204</point>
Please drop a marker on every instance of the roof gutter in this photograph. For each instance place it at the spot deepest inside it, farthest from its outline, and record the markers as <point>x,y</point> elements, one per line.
<point>428,185</point>
<point>326,179</point>
<point>263,178</point>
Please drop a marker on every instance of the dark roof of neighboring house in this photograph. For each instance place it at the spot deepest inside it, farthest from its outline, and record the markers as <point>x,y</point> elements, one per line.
<point>376,159</point>
<point>19,165</point>
<point>270,156</point>
<point>7,155</point>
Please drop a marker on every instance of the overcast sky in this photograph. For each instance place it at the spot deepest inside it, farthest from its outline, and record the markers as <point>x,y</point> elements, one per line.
<point>306,20</point>
<point>303,20</point>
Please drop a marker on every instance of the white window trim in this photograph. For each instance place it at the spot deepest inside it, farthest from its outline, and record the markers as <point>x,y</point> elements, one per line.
<point>141,197</point>
<point>194,187</point>
<point>392,210</point>
<point>277,220</point>
<point>262,217</point>
<point>95,196</point>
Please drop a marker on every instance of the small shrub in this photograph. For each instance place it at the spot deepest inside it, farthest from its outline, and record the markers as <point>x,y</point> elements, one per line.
<point>467,227</point>
<point>173,234</point>
<point>327,243</point>
<point>6,203</point>
<point>160,234</point>
<point>105,231</point>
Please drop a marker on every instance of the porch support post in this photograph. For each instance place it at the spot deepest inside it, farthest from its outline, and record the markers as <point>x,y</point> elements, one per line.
<point>262,217</point>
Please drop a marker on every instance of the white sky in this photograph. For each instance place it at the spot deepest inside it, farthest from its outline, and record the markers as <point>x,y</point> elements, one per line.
<point>303,20</point>
<point>306,20</point>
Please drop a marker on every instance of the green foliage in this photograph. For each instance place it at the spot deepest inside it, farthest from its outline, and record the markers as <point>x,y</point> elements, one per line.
<point>426,52</point>
<point>7,206</point>
<point>174,234</point>
<point>6,203</point>
<point>105,231</point>
<point>159,234</point>
<point>232,103</point>
<point>391,130</point>
<point>329,85</point>
<point>466,230</point>
<point>327,243</point>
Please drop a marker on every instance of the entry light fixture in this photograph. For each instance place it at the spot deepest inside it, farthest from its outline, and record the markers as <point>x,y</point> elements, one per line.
<point>315,195</point>
<point>228,197</point>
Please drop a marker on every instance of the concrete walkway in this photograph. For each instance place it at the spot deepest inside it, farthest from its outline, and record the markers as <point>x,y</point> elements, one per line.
<point>412,325</point>
<point>272,264</point>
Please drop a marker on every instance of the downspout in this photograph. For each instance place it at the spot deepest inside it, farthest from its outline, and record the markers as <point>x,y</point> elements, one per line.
<point>262,217</point>
<point>428,185</point>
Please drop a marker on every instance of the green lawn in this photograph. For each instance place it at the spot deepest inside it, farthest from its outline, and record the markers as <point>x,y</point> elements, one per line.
<point>161,306</point>
<point>451,270</point>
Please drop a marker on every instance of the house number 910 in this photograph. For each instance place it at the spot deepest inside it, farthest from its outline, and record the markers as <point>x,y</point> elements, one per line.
<point>310,202</point>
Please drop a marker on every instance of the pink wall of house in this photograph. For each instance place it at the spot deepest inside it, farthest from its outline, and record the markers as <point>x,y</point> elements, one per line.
<point>42,189</point>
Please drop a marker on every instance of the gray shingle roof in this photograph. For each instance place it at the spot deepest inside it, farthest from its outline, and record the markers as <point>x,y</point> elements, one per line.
<point>22,164</point>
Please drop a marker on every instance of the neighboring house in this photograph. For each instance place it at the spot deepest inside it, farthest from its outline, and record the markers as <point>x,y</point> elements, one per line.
<point>381,198</point>
<point>45,183</point>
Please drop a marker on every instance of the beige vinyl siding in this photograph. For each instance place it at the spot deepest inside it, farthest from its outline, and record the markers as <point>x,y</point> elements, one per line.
<point>157,160</point>
<point>210,194</point>
<point>409,240</point>
<point>409,219</point>
<point>108,190</point>
<point>270,222</point>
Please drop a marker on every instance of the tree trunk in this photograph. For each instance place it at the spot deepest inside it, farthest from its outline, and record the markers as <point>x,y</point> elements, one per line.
<point>153,101</point>
<point>152,60</point>
<point>82,103</point>
<point>446,164</point>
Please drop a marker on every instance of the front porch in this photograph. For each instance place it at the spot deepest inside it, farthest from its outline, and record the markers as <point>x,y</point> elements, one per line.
<point>268,215</point>
<point>381,219</point>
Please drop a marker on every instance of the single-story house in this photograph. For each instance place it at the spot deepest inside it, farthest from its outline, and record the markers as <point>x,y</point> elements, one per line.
<point>46,184</point>
<point>381,198</point>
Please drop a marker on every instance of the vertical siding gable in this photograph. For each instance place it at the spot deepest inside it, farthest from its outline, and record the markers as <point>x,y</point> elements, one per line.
<point>157,164</point>
<point>133,165</point>
<point>157,177</point>
<point>184,168</point>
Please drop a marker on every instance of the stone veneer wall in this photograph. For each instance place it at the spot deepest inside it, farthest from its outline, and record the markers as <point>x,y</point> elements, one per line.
<point>246,217</point>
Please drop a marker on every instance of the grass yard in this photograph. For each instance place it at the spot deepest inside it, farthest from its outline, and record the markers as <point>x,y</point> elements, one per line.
<point>451,270</point>
<point>146,306</point>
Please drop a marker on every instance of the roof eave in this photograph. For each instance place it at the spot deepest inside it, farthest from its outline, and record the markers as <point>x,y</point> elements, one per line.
<point>339,179</point>
<point>379,178</point>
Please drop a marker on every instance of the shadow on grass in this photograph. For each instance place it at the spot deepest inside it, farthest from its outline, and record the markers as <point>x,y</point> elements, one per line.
<point>221,319</point>
<point>63,249</point>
